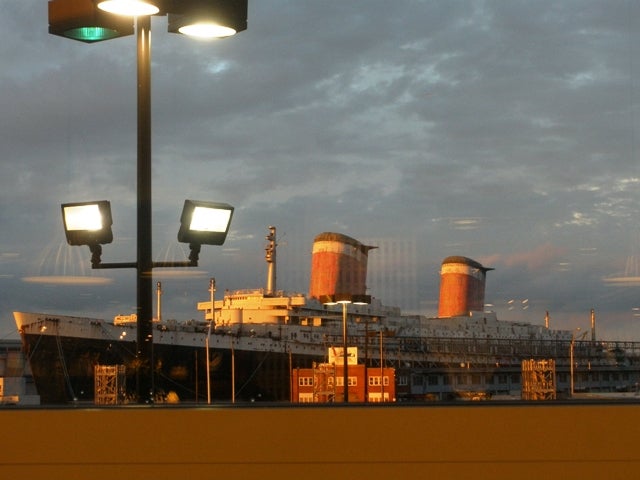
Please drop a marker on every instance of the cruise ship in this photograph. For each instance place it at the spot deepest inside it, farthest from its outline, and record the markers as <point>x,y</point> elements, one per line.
<point>247,343</point>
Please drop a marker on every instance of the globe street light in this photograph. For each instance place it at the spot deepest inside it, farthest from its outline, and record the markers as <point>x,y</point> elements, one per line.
<point>90,22</point>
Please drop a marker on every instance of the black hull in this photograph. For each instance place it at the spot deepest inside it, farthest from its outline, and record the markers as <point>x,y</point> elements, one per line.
<point>63,370</point>
<point>426,368</point>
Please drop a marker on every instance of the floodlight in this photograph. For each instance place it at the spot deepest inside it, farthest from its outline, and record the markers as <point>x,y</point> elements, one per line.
<point>208,18</point>
<point>342,298</point>
<point>345,298</point>
<point>361,299</point>
<point>204,223</point>
<point>328,300</point>
<point>129,8</point>
<point>81,20</point>
<point>87,223</point>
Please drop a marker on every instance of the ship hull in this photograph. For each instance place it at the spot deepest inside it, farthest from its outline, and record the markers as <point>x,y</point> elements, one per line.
<point>254,362</point>
<point>63,370</point>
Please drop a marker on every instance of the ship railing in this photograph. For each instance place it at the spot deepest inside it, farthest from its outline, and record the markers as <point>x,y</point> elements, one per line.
<point>260,292</point>
<point>506,348</point>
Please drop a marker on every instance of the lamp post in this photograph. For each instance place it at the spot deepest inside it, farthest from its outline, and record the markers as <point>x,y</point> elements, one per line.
<point>345,355</point>
<point>212,291</point>
<point>345,299</point>
<point>233,371</point>
<point>85,21</point>
<point>381,333</point>
<point>573,339</point>
<point>381,368</point>
<point>571,348</point>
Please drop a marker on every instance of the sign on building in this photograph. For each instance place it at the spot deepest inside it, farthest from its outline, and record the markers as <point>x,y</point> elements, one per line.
<point>336,355</point>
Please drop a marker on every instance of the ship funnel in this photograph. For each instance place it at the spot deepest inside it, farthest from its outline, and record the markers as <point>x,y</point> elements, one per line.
<point>462,284</point>
<point>338,265</point>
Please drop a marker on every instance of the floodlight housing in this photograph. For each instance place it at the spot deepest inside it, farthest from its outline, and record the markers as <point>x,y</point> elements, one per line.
<point>81,20</point>
<point>87,223</point>
<point>361,299</point>
<point>328,300</point>
<point>204,223</point>
<point>207,18</point>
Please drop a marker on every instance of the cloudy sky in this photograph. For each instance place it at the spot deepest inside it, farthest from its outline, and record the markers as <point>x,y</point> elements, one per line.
<point>505,131</point>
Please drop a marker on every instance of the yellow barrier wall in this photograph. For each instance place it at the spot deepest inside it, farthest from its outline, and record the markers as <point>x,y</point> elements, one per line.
<point>474,441</point>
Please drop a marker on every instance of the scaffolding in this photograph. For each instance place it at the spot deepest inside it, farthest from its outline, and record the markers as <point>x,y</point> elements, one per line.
<point>109,384</point>
<point>538,380</point>
<point>324,381</point>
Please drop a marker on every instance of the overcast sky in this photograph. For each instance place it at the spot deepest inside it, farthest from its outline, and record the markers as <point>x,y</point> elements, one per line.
<point>504,131</point>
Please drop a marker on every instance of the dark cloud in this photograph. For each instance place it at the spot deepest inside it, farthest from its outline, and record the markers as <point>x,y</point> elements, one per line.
<point>503,131</point>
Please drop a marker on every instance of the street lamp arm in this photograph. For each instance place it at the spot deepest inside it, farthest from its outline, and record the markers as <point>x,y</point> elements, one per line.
<point>96,263</point>
<point>114,265</point>
<point>100,266</point>
<point>174,264</point>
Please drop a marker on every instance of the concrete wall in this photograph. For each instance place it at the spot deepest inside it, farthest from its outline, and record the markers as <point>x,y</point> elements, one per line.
<point>460,441</point>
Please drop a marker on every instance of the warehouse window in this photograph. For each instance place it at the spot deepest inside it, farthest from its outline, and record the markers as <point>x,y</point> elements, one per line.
<point>305,381</point>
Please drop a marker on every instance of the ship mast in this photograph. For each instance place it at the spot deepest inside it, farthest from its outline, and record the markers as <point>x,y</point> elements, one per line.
<point>270,257</point>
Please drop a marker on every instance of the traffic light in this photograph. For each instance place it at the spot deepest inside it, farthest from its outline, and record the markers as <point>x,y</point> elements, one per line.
<point>82,20</point>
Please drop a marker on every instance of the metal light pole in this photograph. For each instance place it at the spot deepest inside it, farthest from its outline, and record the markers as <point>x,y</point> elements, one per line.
<point>233,372</point>
<point>571,348</point>
<point>86,20</point>
<point>212,291</point>
<point>345,356</point>
<point>571,366</point>
<point>159,302</point>
<point>144,278</point>
<point>381,369</point>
